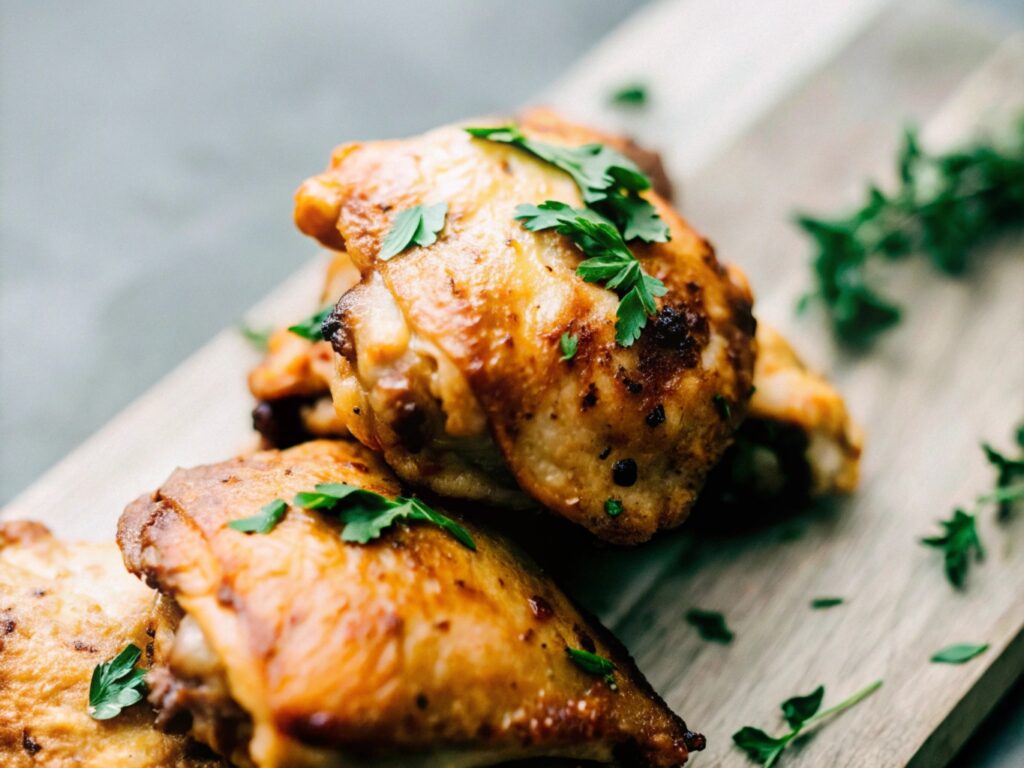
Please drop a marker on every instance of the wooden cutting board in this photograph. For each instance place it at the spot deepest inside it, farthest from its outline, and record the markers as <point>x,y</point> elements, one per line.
<point>790,107</point>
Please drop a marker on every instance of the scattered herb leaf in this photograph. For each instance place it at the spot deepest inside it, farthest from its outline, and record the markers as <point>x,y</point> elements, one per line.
<point>367,515</point>
<point>593,664</point>
<point>613,507</point>
<point>631,95</point>
<point>310,328</point>
<point>799,709</point>
<point>609,182</point>
<point>820,603</point>
<point>116,684</point>
<point>943,206</point>
<point>1009,477</point>
<point>959,653</point>
<point>710,625</point>
<point>609,260</point>
<point>958,542</point>
<point>269,516</point>
<point>568,344</point>
<point>419,224</point>
<point>801,712</point>
<point>259,339</point>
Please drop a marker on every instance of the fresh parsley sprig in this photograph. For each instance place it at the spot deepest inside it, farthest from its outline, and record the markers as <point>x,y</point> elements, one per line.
<point>632,95</point>
<point>958,542</point>
<point>594,664</point>
<point>417,225</point>
<point>1009,488</point>
<point>269,516</point>
<point>568,344</point>
<point>609,261</point>
<point>609,182</point>
<point>801,713</point>
<point>116,684</point>
<point>258,338</point>
<point>960,653</point>
<point>710,625</point>
<point>311,327</point>
<point>943,206</point>
<point>367,515</point>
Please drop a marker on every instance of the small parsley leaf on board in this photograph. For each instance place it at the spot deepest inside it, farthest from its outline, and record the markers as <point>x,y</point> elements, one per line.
<point>609,182</point>
<point>613,507</point>
<point>630,95</point>
<point>959,653</point>
<point>269,516</point>
<point>257,338</point>
<point>116,684</point>
<point>802,713</point>
<point>943,206</point>
<point>958,542</point>
<point>820,603</point>
<point>799,709</point>
<point>568,344</point>
<point>759,746</point>
<point>1009,488</point>
<point>418,225</point>
<point>609,260</point>
<point>367,514</point>
<point>710,625</point>
<point>311,327</point>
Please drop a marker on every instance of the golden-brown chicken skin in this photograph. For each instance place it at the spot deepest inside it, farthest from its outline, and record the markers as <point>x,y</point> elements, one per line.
<point>64,608</point>
<point>791,394</point>
<point>449,359</point>
<point>411,650</point>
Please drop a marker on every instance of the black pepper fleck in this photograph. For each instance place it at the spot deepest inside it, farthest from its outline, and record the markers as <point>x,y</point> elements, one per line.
<point>656,416</point>
<point>624,472</point>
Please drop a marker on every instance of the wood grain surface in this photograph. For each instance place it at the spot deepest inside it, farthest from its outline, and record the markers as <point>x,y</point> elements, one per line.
<point>821,120</point>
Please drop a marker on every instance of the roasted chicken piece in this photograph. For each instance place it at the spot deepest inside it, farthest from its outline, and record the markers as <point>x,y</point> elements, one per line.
<point>296,648</point>
<point>64,608</point>
<point>449,360</point>
<point>799,442</point>
<point>291,383</point>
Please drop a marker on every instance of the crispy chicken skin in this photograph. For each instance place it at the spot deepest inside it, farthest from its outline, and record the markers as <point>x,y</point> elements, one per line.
<point>291,383</point>
<point>790,394</point>
<point>408,651</point>
<point>63,610</point>
<point>448,356</point>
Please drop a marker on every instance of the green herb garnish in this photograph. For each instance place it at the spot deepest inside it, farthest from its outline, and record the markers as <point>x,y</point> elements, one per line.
<point>608,261</point>
<point>959,541</point>
<point>1009,477</point>
<point>367,515</point>
<point>419,224</point>
<point>609,182</point>
<point>311,327</point>
<point>594,664</point>
<point>613,507</point>
<point>943,206</point>
<point>710,625</point>
<point>568,344</point>
<point>801,712</point>
<point>820,603</point>
<point>116,684</point>
<point>631,95</point>
<point>959,653</point>
<point>269,516</point>
<point>259,339</point>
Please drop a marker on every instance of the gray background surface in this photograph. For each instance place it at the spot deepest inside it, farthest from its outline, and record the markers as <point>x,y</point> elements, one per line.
<point>148,153</point>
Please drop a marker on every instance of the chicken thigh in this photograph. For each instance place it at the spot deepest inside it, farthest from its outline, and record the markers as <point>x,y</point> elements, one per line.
<point>449,359</point>
<point>298,648</point>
